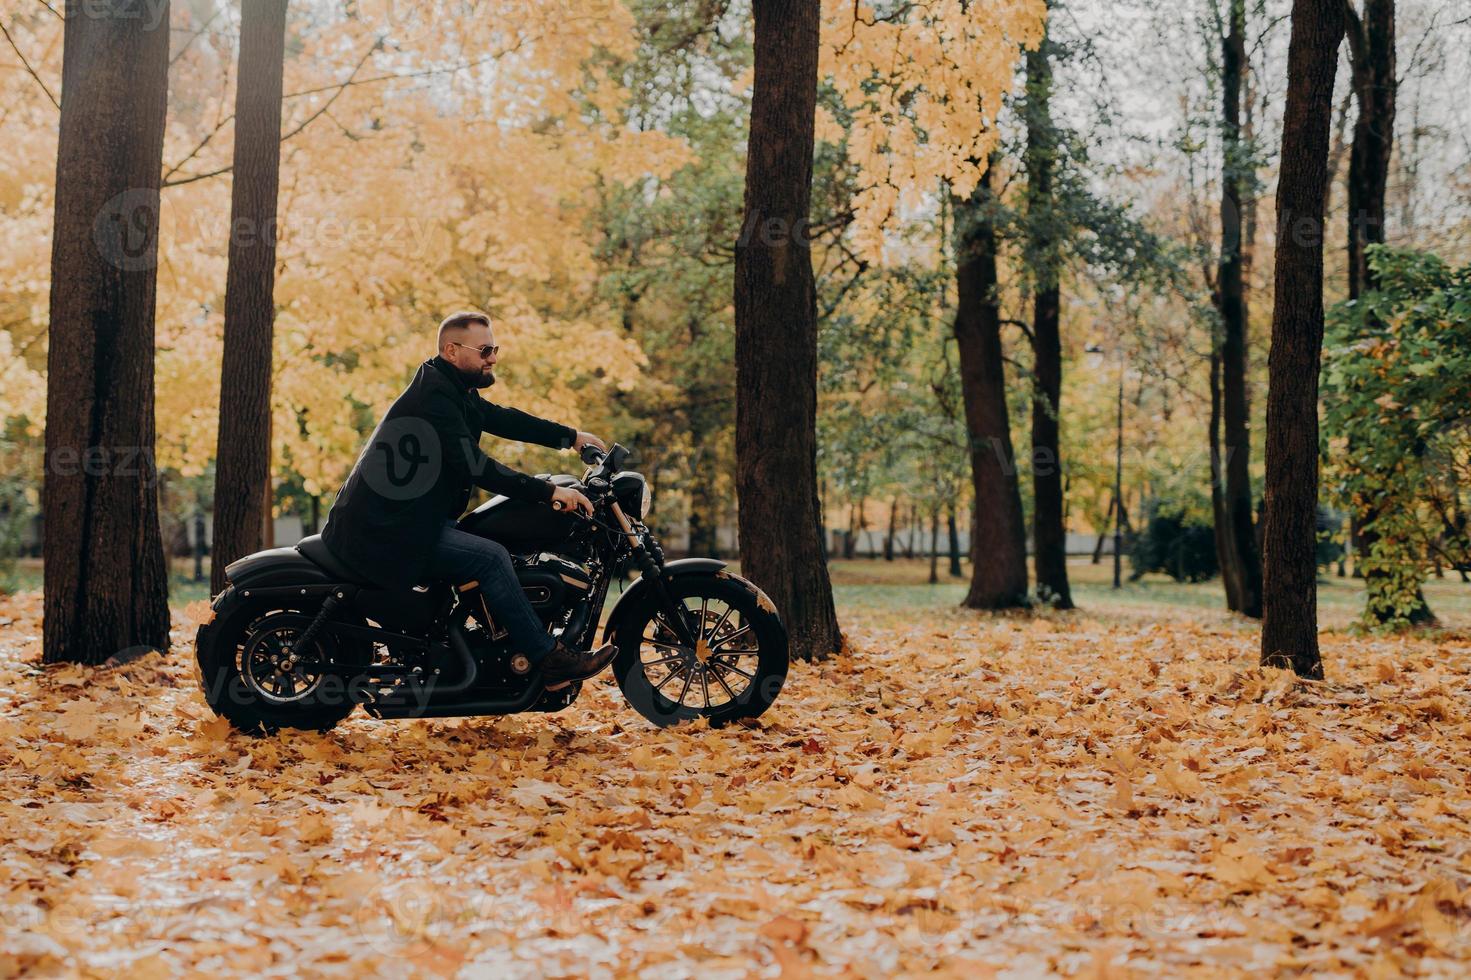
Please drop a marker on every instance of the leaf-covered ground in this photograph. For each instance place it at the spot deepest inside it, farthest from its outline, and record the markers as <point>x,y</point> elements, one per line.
<point>1103,795</point>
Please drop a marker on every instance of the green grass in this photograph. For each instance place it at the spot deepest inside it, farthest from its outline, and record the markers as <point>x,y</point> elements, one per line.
<point>902,585</point>
<point>182,587</point>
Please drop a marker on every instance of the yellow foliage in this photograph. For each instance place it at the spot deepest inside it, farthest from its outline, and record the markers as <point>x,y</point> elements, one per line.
<point>436,158</point>
<point>924,84</point>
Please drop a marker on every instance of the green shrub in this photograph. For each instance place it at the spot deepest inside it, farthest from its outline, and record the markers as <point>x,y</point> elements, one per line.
<point>1174,542</point>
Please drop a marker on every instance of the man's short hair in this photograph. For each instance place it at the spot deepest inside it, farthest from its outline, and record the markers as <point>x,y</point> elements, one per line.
<point>458,321</point>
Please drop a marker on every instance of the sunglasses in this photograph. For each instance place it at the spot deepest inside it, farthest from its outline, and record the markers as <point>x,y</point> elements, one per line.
<point>486,352</point>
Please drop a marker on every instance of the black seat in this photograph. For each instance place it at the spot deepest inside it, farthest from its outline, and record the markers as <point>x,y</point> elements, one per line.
<point>315,549</point>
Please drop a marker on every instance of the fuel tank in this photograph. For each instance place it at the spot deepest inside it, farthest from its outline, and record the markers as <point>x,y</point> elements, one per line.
<point>520,525</point>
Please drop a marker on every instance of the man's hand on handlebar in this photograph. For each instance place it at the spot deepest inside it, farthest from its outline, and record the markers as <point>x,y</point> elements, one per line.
<point>567,499</point>
<point>588,439</point>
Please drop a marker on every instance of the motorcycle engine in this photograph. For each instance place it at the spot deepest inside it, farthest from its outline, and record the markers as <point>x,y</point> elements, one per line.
<point>553,584</point>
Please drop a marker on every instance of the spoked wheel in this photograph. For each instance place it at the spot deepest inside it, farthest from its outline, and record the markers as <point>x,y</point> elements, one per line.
<point>252,679</point>
<point>272,671</point>
<point>735,667</point>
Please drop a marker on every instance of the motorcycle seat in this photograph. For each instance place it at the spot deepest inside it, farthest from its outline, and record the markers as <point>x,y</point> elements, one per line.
<point>315,550</point>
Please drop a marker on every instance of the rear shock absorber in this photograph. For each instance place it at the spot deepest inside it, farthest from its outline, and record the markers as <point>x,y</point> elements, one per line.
<point>309,635</point>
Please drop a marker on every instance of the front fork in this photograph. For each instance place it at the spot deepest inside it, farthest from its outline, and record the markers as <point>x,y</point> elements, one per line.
<point>652,570</point>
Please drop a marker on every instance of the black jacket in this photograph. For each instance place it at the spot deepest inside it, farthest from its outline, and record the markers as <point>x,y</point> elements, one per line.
<point>418,468</point>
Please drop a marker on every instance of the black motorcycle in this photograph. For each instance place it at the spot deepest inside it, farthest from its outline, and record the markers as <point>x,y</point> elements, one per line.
<point>297,639</point>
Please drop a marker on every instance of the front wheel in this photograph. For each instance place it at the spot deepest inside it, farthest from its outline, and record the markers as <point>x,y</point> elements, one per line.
<point>735,669</point>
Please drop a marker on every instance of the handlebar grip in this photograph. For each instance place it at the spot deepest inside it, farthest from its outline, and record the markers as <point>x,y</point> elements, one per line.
<point>592,455</point>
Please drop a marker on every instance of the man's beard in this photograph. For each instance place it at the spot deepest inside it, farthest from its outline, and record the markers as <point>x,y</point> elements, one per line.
<point>479,378</point>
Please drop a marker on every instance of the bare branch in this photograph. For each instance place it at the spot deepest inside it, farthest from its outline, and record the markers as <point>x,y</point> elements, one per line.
<point>27,65</point>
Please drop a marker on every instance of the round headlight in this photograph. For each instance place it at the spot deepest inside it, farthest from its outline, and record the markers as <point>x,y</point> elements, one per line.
<point>646,501</point>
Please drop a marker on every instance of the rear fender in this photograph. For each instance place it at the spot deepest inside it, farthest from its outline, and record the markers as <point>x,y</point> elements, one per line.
<point>633,596</point>
<point>276,566</point>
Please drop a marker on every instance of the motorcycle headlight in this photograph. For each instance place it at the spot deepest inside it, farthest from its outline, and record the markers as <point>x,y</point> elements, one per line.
<point>632,491</point>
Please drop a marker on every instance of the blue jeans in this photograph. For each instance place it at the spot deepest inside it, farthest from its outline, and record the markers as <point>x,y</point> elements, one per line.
<point>459,557</point>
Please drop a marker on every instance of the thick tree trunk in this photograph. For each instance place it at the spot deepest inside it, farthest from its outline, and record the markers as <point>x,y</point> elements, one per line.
<point>1290,579</point>
<point>998,537</point>
<point>243,454</point>
<point>1049,535</point>
<point>776,334</point>
<point>1240,537</point>
<point>106,580</point>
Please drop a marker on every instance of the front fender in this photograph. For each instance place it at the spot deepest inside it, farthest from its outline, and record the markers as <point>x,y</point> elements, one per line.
<point>635,592</point>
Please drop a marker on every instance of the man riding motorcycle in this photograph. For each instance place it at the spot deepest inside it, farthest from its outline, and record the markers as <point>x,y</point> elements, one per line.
<point>394,518</point>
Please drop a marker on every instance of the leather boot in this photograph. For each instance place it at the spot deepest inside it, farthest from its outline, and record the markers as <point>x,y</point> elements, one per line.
<point>562,665</point>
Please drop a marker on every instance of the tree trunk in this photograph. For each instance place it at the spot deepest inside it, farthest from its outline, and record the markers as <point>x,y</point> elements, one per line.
<point>704,513</point>
<point>998,537</point>
<point>776,334</point>
<point>1240,537</point>
<point>1290,579</point>
<point>704,523</point>
<point>1103,534</point>
<point>1371,46</point>
<point>954,531</point>
<point>1049,535</point>
<point>1372,58</point>
<point>243,453</point>
<point>935,544</point>
<point>1229,569</point>
<point>105,578</point>
<point>893,529</point>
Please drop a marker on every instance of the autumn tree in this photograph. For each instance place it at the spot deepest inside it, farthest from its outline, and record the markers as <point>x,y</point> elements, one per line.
<point>243,455</point>
<point>998,535</point>
<point>106,583</point>
<point>1371,45</point>
<point>666,263</point>
<point>780,517</point>
<point>1049,532</point>
<point>1289,539</point>
<point>1236,532</point>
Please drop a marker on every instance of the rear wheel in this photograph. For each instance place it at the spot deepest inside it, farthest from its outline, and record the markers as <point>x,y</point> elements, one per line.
<point>735,669</point>
<point>252,679</point>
